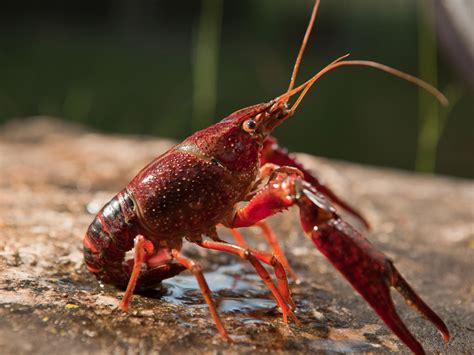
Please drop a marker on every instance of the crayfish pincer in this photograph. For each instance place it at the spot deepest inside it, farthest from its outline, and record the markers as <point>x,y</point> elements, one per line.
<point>186,192</point>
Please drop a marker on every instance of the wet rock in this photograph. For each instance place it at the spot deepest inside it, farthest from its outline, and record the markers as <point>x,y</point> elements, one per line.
<point>54,177</point>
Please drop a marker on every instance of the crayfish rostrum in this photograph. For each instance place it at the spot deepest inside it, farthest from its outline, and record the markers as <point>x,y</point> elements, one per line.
<point>196,185</point>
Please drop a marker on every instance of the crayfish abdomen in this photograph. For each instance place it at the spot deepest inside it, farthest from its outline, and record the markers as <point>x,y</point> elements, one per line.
<point>109,237</point>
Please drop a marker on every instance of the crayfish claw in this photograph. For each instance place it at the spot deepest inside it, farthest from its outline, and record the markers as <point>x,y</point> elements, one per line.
<point>368,270</point>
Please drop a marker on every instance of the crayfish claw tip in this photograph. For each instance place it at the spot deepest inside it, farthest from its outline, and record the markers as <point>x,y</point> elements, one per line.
<point>415,301</point>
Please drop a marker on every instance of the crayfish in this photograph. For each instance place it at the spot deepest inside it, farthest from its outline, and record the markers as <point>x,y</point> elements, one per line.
<point>197,185</point>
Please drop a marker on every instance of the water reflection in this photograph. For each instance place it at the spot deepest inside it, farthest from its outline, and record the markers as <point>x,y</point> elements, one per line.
<point>233,288</point>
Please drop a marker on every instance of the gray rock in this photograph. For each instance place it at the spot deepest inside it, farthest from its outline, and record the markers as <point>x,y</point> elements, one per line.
<point>55,176</point>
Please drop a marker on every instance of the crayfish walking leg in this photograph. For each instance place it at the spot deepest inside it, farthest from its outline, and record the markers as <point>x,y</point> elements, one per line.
<point>369,271</point>
<point>282,293</point>
<point>139,249</point>
<point>272,241</point>
<point>196,269</point>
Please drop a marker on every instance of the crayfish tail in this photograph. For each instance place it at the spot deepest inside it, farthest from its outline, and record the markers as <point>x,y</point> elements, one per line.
<point>107,240</point>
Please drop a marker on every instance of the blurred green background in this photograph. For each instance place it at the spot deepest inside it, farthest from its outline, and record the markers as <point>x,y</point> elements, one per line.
<point>168,68</point>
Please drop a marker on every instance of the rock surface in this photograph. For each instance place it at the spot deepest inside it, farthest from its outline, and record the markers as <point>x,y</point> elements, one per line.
<point>54,177</point>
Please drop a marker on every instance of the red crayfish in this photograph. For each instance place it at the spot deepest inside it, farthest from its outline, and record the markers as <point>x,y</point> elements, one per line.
<point>196,185</point>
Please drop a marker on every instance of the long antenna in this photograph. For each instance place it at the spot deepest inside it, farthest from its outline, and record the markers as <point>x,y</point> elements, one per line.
<point>303,45</point>
<point>395,72</point>
<point>339,62</point>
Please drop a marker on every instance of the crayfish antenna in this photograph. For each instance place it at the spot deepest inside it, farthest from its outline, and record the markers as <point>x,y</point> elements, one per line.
<point>366,63</point>
<point>303,45</point>
<point>304,88</point>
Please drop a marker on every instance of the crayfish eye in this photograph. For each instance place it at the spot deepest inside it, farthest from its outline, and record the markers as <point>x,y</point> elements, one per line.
<point>249,125</point>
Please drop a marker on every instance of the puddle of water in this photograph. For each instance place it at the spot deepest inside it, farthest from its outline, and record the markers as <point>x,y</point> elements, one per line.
<point>348,346</point>
<point>228,304</point>
<point>238,291</point>
<point>233,288</point>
